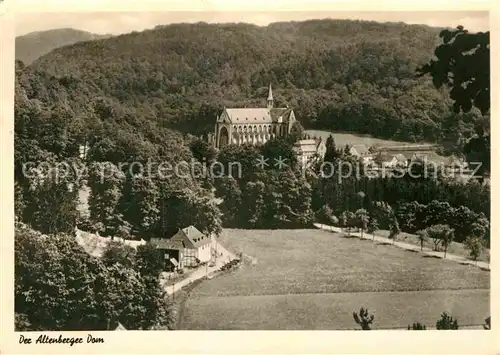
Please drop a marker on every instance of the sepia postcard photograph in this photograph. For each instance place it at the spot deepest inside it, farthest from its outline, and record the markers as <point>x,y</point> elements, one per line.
<point>224,170</point>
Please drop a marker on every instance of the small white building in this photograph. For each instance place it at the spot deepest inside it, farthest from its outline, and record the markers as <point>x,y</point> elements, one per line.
<point>362,152</point>
<point>83,150</point>
<point>398,160</point>
<point>188,247</point>
<point>307,149</point>
<point>359,151</point>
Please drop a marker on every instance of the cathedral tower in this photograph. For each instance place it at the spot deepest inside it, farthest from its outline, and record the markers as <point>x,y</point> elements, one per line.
<point>270,101</point>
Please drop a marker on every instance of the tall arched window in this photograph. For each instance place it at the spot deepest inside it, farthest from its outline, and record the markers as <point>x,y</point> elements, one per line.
<point>223,137</point>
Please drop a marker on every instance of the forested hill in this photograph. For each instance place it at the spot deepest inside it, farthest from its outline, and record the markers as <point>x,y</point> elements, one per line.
<point>340,75</point>
<point>33,45</point>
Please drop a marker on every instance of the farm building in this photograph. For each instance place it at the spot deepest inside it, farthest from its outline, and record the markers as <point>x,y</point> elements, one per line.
<point>187,248</point>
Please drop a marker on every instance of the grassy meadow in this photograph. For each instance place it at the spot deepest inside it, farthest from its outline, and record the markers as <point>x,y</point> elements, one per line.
<point>313,279</point>
<point>341,139</point>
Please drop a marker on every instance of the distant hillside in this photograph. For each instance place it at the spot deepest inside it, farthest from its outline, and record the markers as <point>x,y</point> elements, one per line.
<point>338,75</point>
<point>33,45</point>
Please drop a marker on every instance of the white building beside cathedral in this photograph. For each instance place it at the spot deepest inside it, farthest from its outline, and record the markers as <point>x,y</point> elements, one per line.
<point>237,126</point>
<point>309,149</point>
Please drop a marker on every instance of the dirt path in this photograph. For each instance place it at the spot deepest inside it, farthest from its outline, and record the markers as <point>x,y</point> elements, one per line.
<point>427,251</point>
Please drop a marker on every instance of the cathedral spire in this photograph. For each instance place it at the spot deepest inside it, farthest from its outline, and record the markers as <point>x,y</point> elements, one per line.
<point>270,100</point>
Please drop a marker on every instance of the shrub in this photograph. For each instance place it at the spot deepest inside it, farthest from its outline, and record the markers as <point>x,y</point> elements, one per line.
<point>372,227</point>
<point>117,252</point>
<point>394,229</point>
<point>446,322</point>
<point>487,324</point>
<point>440,234</point>
<point>325,216</point>
<point>150,261</point>
<point>362,220</point>
<point>83,223</point>
<point>417,326</point>
<point>21,322</point>
<point>475,246</point>
<point>422,237</point>
<point>364,319</point>
<point>347,221</point>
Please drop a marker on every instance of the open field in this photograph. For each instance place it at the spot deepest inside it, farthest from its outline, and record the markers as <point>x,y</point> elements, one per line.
<point>322,311</point>
<point>341,139</point>
<point>312,279</point>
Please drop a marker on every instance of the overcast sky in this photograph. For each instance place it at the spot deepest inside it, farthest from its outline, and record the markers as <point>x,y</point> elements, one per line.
<point>124,22</point>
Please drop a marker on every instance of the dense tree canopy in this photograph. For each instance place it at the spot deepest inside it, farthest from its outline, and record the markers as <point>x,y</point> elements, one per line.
<point>52,121</point>
<point>58,286</point>
<point>462,65</point>
<point>129,103</point>
<point>143,99</point>
<point>337,74</point>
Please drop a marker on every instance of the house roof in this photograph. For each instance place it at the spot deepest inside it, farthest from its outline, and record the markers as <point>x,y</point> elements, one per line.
<point>307,145</point>
<point>285,113</point>
<point>195,236</point>
<point>431,157</point>
<point>165,243</point>
<point>407,154</point>
<point>401,157</point>
<point>360,148</point>
<point>120,327</point>
<point>257,115</point>
<point>306,142</point>
<point>384,157</point>
<point>189,237</point>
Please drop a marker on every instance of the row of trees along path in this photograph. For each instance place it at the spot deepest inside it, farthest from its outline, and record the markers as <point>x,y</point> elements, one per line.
<point>459,259</point>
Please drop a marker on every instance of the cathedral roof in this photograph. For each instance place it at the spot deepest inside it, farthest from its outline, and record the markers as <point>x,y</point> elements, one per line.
<point>249,115</point>
<point>257,115</point>
<point>283,112</point>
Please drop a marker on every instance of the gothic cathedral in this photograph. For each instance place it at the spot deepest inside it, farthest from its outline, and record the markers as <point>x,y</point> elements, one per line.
<point>236,126</point>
